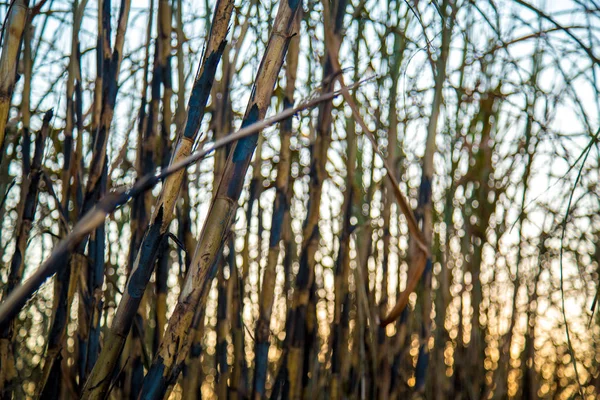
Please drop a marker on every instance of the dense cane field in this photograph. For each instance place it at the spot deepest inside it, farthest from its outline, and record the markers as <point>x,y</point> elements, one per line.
<point>318,199</point>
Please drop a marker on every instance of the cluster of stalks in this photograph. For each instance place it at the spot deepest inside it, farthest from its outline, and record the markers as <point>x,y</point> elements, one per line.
<point>395,228</point>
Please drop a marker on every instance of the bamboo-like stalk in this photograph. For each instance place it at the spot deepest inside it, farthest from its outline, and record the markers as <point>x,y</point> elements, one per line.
<point>220,124</point>
<point>163,66</point>
<point>339,332</point>
<point>150,147</point>
<point>185,232</point>
<point>165,31</point>
<point>222,115</point>
<point>366,315</point>
<point>382,339</point>
<point>280,210</point>
<point>29,189</point>
<point>99,381</point>
<point>254,191</point>
<point>6,185</point>
<point>11,47</point>
<point>140,212</point>
<point>26,94</point>
<point>222,331</point>
<point>193,375</point>
<point>439,382</point>
<point>111,66</point>
<point>140,209</point>
<point>302,314</point>
<point>384,345</point>
<point>180,114</point>
<point>301,334</point>
<point>280,386</point>
<point>365,296</point>
<point>238,387</point>
<point>424,210</point>
<point>173,350</point>
<point>26,215</point>
<point>91,294</point>
<point>66,281</point>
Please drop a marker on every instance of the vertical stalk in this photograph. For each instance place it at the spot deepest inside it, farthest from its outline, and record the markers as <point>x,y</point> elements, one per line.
<point>193,375</point>
<point>91,292</point>
<point>156,145</point>
<point>481,171</point>
<point>395,62</point>
<point>339,332</point>
<point>239,375</point>
<point>66,281</point>
<point>280,209</point>
<point>424,210</point>
<point>222,330</point>
<point>179,118</point>
<point>26,215</point>
<point>139,221</point>
<point>11,47</point>
<point>300,333</point>
<point>254,192</point>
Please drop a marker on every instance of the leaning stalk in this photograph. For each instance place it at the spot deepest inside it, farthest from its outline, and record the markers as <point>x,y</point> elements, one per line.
<point>99,381</point>
<point>173,349</point>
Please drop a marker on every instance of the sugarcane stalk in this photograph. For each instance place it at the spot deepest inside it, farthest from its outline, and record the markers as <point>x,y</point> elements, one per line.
<point>26,215</point>
<point>139,220</point>
<point>11,48</point>
<point>66,281</point>
<point>254,192</point>
<point>396,58</point>
<point>300,329</point>
<point>173,349</point>
<point>193,375</point>
<point>220,124</point>
<point>222,330</point>
<point>100,378</point>
<point>93,267</point>
<point>162,152</point>
<point>180,114</point>
<point>280,210</point>
<point>339,332</point>
<point>424,210</point>
<point>238,386</point>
